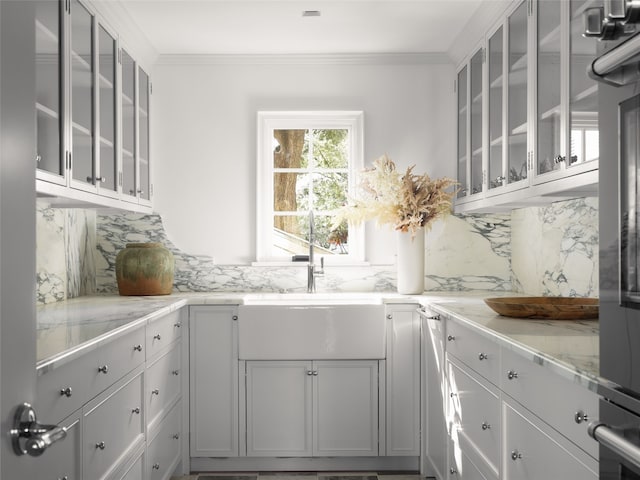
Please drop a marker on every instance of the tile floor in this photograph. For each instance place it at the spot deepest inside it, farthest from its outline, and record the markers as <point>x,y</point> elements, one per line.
<point>302,476</point>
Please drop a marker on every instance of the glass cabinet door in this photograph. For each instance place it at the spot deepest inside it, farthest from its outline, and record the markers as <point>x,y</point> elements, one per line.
<point>128,125</point>
<point>108,165</point>
<point>517,93</point>
<point>549,148</point>
<point>583,92</point>
<point>462,133</point>
<point>495,74</point>
<point>476,122</point>
<point>143,135</point>
<point>82,91</point>
<point>49,111</point>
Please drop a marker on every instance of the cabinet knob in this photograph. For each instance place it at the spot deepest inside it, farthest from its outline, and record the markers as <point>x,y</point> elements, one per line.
<point>104,369</point>
<point>315,373</point>
<point>155,392</point>
<point>157,336</point>
<point>100,445</point>
<point>156,466</point>
<point>175,372</point>
<point>559,159</point>
<point>137,348</point>
<point>580,417</point>
<point>515,455</point>
<point>453,471</point>
<point>235,317</point>
<point>485,426</point>
<point>63,478</point>
<point>309,373</point>
<point>136,410</point>
<point>511,374</point>
<point>67,392</point>
<point>177,325</point>
<point>482,356</point>
<point>451,338</point>
<point>433,317</point>
<point>389,316</point>
<point>176,436</point>
<point>452,394</point>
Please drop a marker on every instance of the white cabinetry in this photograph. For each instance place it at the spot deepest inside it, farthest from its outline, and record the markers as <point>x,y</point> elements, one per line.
<point>213,353</point>
<point>81,151</point>
<point>434,439</point>
<point>117,399</point>
<point>312,408</point>
<point>403,380</point>
<point>527,124</point>
<point>507,416</point>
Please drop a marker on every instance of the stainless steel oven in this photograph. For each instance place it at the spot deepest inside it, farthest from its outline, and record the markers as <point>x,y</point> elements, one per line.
<point>616,23</point>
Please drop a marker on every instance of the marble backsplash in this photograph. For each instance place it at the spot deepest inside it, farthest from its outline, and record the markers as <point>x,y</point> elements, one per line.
<point>549,250</point>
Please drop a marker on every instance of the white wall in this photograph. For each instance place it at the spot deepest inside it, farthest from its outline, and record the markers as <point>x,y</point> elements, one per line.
<point>204,136</point>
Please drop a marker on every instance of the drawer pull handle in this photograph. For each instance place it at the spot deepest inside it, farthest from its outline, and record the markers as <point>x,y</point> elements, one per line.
<point>485,426</point>
<point>177,324</point>
<point>138,348</point>
<point>511,374</point>
<point>451,338</point>
<point>515,455</point>
<point>580,417</point>
<point>175,372</point>
<point>155,392</point>
<point>176,436</point>
<point>104,369</point>
<point>67,392</point>
<point>136,410</point>
<point>483,356</point>
<point>156,336</point>
<point>100,445</point>
<point>156,466</point>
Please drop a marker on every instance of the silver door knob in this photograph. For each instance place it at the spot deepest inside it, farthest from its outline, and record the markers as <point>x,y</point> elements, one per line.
<point>104,369</point>
<point>482,356</point>
<point>30,437</point>
<point>451,338</point>
<point>453,471</point>
<point>177,325</point>
<point>155,392</point>
<point>511,374</point>
<point>515,455</point>
<point>156,336</point>
<point>156,466</point>
<point>580,417</point>
<point>67,392</point>
<point>137,348</point>
<point>101,445</point>
<point>175,372</point>
<point>485,426</point>
<point>136,410</point>
<point>176,436</point>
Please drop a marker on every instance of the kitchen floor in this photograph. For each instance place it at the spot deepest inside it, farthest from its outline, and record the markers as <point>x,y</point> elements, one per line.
<point>301,476</point>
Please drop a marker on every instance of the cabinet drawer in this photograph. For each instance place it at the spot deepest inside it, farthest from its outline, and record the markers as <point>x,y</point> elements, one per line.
<point>461,467</point>
<point>552,397</point>
<point>112,425</point>
<point>532,453</point>
<point>163,453</point>
<point>163,332</point>
<point>477,351</point>
<point>66,388</point>
<point>136,471</point>
<point>475,410</point>
<point>63,459</point>
<point>162,384</point>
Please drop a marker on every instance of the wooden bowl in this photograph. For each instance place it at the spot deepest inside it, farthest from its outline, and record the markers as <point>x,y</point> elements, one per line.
<point>554,308</point>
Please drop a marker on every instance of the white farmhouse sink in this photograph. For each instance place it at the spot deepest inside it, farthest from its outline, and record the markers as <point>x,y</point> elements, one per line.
<point>311,330</point>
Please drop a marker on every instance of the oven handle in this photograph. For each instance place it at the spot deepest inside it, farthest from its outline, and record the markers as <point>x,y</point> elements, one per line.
<point>619,445</point>
<point>605,67</point>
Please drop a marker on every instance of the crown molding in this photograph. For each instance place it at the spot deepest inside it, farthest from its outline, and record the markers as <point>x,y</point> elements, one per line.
<point>307,59</point>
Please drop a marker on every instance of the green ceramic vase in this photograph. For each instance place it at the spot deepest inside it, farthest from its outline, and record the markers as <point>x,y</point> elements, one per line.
<point>145,269</point>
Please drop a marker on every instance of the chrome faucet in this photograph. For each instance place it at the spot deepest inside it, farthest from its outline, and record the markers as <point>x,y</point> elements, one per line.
<point>312,273</point>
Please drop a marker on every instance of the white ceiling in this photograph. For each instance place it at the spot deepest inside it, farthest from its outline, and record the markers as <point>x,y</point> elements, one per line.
<point>277,26</point>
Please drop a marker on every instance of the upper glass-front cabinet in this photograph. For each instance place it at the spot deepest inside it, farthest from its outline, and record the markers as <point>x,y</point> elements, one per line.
<point>566,109</point>
<point>470,133</point>
<point>92,108</point>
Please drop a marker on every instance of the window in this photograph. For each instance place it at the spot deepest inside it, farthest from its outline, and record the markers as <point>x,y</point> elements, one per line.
<point>307,162</point>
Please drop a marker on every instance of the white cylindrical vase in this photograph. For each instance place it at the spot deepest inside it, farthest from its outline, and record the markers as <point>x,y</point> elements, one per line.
<point>410,274</point>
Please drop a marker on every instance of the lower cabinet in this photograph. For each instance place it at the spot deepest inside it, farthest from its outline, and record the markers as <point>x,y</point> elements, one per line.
<point>163,450</point>
<point>63,459</point>
<point>534,451</point>
<point>312,408</point>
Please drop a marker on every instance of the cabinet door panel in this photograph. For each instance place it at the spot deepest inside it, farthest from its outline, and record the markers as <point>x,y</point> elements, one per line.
<point>495,63</point>
<point>163,453</point>
<point>476,131</point>
<point>128,112</point>
<point>64,459</point>
<point>463,150</point>
<point>143,136</point>
<point>213,371</point>
<point>530,454</point>
<point>279,408</point>
<point>107,171</point>
<point>345,415</point>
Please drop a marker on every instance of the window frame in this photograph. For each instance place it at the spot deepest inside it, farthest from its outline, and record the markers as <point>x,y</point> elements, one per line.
<point>268,121</point>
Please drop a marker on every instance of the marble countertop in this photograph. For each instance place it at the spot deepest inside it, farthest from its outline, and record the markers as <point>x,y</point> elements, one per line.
<point>68,329</point>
